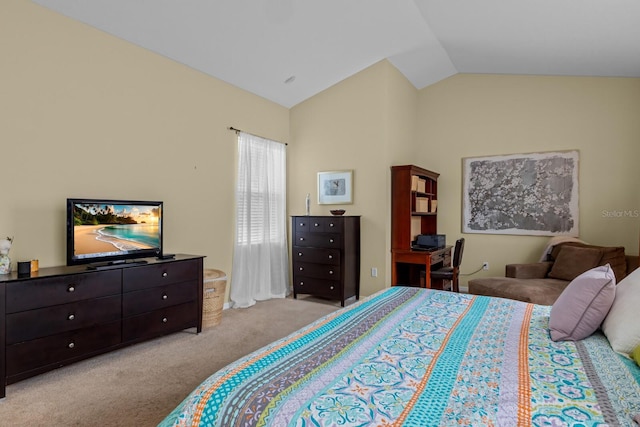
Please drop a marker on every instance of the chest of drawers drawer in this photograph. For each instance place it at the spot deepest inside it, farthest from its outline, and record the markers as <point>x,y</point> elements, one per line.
<point>28,325</point>
<point>320,271</point>
<point>317,255</point>
<point>150,299</point>
<point>321,287</point>
<point>59,348</point>
<point>160,274</point>
<point>325,225</point>
<point>45,292</point>
<point>318,224</point>
<point>322,240</point>
<point>160,322</point>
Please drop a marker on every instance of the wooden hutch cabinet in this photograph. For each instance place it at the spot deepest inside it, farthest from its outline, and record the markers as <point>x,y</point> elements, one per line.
<point>326,256</point>
<point>414,211</point>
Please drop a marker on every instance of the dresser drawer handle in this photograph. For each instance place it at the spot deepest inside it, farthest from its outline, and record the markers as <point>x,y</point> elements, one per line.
<point>71,288</point>
<point>331,287</point>
<point>71,345</point>
<point>301,283</point>
<point>330,256</point>
<point>301,268</point>
<point>302,239</point>
<point>316,225</point>
<point>331,225</point>
<point>330,271</point>
<point>165,296</point>
<point>330,240</point>
<point>165,274</point>
<point>302,224</point>
<point>165,320</point>
<point>71,316</point>
<point>299,253</point>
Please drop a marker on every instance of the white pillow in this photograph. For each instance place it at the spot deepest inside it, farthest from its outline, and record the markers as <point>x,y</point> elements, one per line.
<point>621,325</point>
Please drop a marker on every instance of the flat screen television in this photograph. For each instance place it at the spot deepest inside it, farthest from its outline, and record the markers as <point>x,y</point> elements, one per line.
<point>105,232</point>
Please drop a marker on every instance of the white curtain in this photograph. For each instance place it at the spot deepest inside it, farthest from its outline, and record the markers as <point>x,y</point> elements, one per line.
<point>260,258</point>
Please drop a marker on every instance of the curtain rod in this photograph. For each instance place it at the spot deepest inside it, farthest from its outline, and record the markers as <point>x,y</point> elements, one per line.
<point>238,130</point>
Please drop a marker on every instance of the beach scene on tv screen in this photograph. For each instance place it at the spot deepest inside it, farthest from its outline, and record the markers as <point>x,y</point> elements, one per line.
<point>112,229</point>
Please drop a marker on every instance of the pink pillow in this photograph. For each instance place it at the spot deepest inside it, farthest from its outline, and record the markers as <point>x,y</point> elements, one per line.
<point>583,305</point>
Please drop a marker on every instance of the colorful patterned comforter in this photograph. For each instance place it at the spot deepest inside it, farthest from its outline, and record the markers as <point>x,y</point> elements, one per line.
<point>417,357</point>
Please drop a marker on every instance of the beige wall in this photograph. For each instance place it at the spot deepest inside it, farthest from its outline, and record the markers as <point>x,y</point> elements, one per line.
<point>480,115</point>
<point>375,119</point>
<point>84,114</point>
<point>364,123</point>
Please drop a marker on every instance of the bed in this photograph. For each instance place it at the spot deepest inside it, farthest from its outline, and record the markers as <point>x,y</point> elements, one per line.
<point>420,357</point>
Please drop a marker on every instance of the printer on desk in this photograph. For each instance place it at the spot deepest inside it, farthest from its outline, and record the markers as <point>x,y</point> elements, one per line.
<point>429,242</point>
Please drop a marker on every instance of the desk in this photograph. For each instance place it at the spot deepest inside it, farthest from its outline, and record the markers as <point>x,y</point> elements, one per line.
<point>413,268</point>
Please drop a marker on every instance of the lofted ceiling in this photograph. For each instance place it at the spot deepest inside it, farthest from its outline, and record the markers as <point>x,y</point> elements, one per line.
<point>289,50</point>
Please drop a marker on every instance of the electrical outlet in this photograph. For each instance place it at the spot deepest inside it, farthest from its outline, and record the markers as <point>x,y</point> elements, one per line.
<point>485,265</point>
<point>374,272</point>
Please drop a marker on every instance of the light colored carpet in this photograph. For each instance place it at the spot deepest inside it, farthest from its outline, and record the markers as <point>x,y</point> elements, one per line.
<point>141,384</point>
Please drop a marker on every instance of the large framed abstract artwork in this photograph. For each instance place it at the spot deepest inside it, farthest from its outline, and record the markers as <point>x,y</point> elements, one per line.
<point>533,194</point>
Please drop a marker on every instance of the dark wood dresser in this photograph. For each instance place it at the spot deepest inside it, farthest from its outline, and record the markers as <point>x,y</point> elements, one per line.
<point>326,256</point>
<point>60,315</point>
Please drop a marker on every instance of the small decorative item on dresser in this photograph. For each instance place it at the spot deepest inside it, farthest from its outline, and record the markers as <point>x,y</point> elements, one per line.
<point>337,212</point>
<point>5,261</point>
<point>24,268</point>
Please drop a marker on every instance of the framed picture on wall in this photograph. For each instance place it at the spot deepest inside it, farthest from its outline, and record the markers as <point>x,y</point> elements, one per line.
<point>335,187</point>
<point>532,194</point>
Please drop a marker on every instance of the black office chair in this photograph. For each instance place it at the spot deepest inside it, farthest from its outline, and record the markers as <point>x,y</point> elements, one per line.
<point>451,273</point>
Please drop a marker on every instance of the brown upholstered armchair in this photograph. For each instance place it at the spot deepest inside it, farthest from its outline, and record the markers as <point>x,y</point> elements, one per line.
<point>543,282</point>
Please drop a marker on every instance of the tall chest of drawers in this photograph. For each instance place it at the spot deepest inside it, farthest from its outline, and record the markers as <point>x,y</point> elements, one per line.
<point>326,256</point>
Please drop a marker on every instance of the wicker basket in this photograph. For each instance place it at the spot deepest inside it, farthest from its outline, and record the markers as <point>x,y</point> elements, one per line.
<point>214,287</point>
